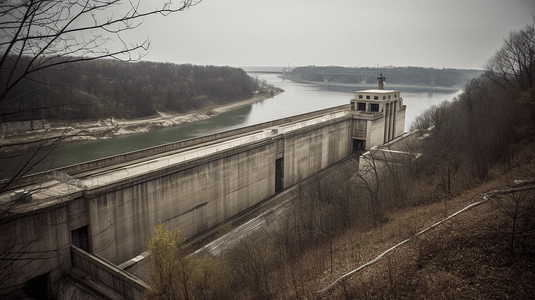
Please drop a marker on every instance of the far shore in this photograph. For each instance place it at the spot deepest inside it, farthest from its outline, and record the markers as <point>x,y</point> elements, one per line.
<point>112,127</point>
<point>387,86</point>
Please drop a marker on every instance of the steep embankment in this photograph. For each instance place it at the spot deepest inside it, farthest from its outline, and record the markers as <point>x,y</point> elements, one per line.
<point>468,256</point>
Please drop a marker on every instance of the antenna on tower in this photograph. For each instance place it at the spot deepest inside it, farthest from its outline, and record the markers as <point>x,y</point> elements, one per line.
<point>381,79</point>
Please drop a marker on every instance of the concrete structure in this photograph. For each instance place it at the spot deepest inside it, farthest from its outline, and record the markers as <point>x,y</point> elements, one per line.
<point>402,150</point>
<point>108,208</point>
<point>23,126</point>
<point>378,117</point>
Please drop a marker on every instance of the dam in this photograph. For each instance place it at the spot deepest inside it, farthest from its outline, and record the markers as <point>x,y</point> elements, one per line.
<point>96,215</point>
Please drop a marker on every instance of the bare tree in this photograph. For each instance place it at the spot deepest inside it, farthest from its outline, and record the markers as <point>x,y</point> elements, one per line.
<point>488,122</point>
<point>38,35</point>
<point>527,108</point>
<point>433,117</point>
<point>42,34</point>
<point>251,260</point>
<point>513,65</point>
<point>174,275</point>
<point>371,181</point>
<point>513,205</point>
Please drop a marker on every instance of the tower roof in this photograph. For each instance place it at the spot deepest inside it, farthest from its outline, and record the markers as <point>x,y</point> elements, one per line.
<point>378,91</point>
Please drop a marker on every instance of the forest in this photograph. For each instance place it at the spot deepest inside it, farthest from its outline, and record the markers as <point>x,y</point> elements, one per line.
<point>396,75</point>
<point>104,88</point>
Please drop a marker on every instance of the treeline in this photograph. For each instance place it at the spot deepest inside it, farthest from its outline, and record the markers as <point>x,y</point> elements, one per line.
<point>110,88</point>
<point>484,125</point>
<point>394,75</point>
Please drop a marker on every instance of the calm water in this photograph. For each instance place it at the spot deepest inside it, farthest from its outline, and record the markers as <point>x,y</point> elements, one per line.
<point>298,98</point>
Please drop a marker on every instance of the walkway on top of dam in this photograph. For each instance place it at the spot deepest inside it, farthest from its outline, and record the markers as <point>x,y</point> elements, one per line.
<point>58,185</point>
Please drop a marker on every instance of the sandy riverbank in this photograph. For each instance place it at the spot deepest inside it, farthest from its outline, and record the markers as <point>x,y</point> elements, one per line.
<point>111,127</point>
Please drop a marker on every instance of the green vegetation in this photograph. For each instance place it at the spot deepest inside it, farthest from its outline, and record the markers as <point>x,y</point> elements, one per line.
<point>177,276</point>
<point>394,75</point>
<point>110,88</point>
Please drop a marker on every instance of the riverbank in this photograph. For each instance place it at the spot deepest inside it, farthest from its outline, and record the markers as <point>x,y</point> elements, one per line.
<point>112,127</point>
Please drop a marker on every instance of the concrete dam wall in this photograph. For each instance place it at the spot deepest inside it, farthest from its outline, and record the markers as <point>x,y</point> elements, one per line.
<point>114,219</point>
<point>197,195</point>
<point>109,207</point>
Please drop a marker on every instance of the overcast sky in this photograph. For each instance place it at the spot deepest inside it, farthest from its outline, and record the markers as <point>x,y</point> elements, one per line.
<point>428,33</point>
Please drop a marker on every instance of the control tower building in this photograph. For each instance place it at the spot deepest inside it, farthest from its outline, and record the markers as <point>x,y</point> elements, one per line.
<point>378,117</point>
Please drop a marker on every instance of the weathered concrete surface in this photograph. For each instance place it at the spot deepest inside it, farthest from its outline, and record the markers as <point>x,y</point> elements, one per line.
<point>379,116</point>
<point>165,149</point>
<point>35,241</point>
<point>192,185</point>
<point>402,150</point>
<point>193,195</point>
<point>269,221</point>
<point>197,196</point>
<point>193,200</point>
<point>400,121</point>
<point>308,151</point>
<point>123,283</point>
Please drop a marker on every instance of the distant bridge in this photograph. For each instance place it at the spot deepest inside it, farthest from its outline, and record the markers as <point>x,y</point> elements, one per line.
<point>265,72</point>
<point>362,76</point>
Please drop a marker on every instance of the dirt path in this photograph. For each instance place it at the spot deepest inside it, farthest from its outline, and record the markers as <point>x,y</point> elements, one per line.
<point>111,127</point>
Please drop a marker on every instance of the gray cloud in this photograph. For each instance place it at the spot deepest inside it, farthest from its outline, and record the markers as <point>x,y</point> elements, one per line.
<point>456,34</point>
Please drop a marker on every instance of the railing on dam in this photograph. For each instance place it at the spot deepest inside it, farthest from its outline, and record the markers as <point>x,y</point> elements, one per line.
<point>169,160</point>
<point>176,146</point>
<point>105,272</point>
<point>66,178</point>
<point>172,159</point>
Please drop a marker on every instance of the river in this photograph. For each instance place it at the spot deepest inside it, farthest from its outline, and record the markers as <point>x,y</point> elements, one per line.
<point>298,98</point>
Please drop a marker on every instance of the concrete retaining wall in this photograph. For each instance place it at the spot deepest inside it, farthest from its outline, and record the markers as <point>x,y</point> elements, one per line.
<point>312,149</point>
<point>192,199</point>
<point>128,286</point>
<point>37,242</point>
<point>400,120</point>
<point>376,132</point>
<point>198,195</point>
<point>23,126</point>
<point>193,196</point>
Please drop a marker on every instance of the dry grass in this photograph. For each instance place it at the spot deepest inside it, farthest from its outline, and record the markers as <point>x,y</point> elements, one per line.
<point>467,257</point>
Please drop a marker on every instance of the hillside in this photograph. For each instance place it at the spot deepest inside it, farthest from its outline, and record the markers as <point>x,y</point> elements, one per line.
<point>394,75</point>
<point>467,257</point>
